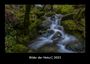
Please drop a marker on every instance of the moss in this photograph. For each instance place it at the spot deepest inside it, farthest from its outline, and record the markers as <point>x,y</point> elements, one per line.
<point>33,28</point>
<point>19,48</point>
<point>50,13</point>
<point>23,39</point>
<point>40,14</point>
<point>69,25</point>
<point>9,41</point>
<point>64,9</point>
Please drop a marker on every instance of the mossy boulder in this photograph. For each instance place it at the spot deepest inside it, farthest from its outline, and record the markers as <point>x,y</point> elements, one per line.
<point>64,9</point>
<point>78,47</point>
<point>69,25</point>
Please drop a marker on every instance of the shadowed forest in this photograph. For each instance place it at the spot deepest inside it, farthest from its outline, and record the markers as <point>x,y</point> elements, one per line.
<point>44,28</point>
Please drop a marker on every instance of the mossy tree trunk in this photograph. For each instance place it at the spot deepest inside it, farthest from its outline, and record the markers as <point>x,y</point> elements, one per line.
<point>52,8</point>
<point>26,19</point>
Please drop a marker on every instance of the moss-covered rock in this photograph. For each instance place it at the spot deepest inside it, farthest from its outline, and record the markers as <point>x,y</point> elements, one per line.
<point>77,46</point>
<point>64,9</point>
<point>73,28</point>
<point>69,25</point>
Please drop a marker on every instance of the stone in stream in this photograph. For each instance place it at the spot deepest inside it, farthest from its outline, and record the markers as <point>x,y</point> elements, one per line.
<point>48,48</point>
<point>75,46</point>
<point>56,37</point>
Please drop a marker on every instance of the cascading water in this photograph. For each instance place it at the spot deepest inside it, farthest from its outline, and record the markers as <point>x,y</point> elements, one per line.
<point>47,38</point>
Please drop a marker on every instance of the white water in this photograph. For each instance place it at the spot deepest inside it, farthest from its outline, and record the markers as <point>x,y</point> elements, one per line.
<point>47,39</point>
<point>61,44</point>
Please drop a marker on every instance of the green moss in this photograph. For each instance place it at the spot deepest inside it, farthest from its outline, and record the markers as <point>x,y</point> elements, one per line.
<point>50,13</point>
<point>64,9</point>
<point>19,48</point>
<point>23,39</point>
<point>9,41</point>
<point>69,25</point>
<point>33,28</point>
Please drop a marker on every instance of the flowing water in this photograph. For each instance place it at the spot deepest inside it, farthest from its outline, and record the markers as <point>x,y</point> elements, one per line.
<point>49,37</point>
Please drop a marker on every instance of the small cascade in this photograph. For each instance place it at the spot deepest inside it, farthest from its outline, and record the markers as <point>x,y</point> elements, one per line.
<point>47,38</point>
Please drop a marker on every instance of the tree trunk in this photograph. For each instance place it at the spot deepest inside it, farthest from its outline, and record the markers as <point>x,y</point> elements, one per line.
<point>52,8</point>
<point>26,19</point>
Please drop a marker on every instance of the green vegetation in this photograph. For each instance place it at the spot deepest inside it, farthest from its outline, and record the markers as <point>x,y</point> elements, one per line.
<point>23,24</point>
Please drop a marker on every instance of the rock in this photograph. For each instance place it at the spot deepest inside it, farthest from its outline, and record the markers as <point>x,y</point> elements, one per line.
<point>56,37</point>
<point>52,18</point>
<point>46,24</point>
<point>48,48</point>
<point>76,46</point>
<point>60,28</point>
<point>50,31</point>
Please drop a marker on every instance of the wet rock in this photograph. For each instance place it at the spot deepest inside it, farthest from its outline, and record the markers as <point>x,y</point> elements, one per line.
<point>51,31</point>
<point>52,18</point>
<point>76,46</point>
<point>46,24</point>
<point>56,37</point>
<point>60,28</point>
<point>48,33</point>
<point>50,48</point>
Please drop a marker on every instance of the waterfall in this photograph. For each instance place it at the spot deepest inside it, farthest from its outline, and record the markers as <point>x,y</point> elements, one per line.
<point>47,38</point>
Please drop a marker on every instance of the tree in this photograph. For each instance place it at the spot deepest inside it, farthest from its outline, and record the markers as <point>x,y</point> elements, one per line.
<point>26,19</point>
<point>52,8</point>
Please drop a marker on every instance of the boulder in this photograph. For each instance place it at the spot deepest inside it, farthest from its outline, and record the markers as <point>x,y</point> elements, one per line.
<point>76,46</point>
<point>56,37</point>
